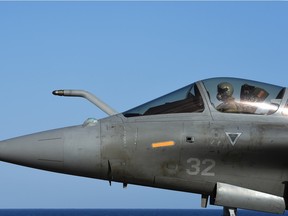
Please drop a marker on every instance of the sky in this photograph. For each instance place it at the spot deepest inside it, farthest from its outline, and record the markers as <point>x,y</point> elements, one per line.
<point>126,53</point>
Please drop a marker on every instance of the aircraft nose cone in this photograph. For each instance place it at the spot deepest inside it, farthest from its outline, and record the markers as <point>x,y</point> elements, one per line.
<point>78,145</point>
<point>41,150</point>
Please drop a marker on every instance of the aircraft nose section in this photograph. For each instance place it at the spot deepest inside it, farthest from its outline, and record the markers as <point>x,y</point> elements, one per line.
<point>41,150</point>
<point>82,151</point>
<point>73,150</point>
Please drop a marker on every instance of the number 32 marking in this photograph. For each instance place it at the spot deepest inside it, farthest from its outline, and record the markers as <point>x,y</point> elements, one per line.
<point>205,170</point>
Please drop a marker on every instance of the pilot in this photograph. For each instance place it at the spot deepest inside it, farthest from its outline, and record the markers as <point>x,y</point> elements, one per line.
<point>224,93</point>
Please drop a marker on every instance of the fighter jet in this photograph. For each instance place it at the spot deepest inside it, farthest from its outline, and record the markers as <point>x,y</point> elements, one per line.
<point>223,138</point>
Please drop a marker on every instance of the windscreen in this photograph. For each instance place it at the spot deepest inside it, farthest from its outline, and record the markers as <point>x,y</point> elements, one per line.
<point>184,100</point>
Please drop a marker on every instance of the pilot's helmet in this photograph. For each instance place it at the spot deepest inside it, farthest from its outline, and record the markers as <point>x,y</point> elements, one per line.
<point>225,90</point>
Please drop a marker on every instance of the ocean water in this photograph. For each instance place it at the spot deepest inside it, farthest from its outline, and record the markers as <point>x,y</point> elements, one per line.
<point>123,212</point>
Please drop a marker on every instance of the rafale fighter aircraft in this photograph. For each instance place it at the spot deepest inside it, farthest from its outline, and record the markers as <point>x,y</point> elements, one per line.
<point>223,138</point>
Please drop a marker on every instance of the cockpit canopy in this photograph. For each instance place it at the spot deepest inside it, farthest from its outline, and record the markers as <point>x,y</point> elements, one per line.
<point>229,95</point>
<point>246,96</point>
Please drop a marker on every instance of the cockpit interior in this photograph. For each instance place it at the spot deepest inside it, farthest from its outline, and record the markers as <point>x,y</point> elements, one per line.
<point>225,95</point>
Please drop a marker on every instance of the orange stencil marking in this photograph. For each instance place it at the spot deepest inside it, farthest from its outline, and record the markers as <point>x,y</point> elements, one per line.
<point>163,144</point>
